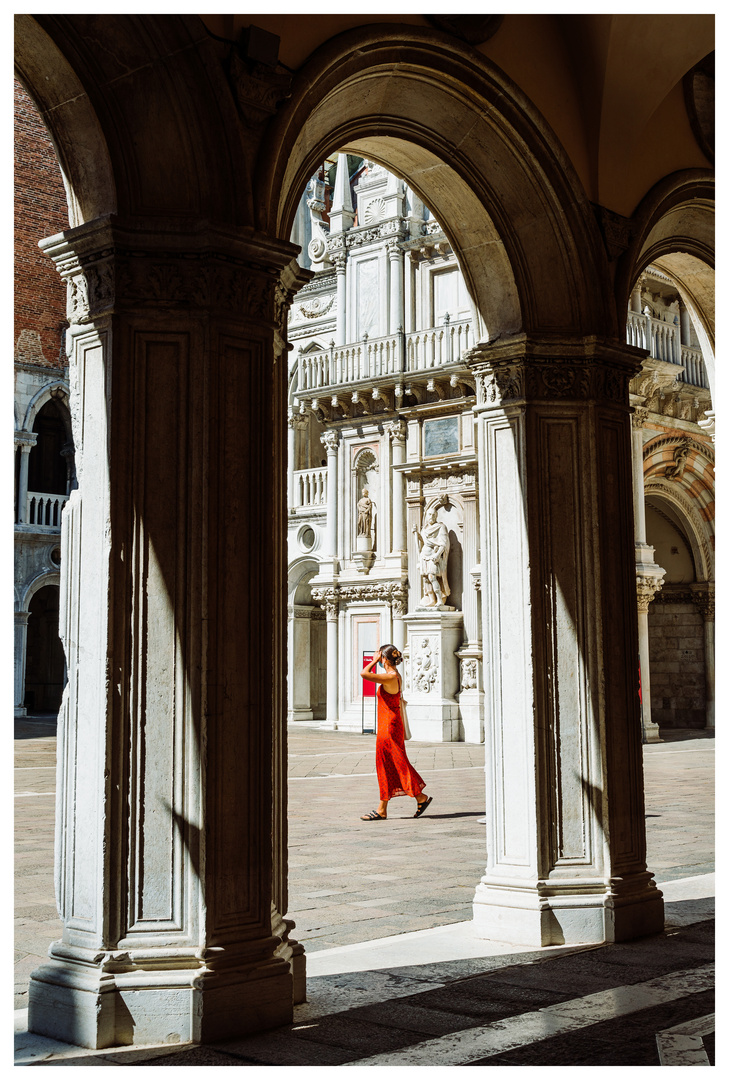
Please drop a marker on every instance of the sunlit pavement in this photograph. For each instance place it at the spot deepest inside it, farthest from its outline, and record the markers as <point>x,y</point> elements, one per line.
<point>394,976</point>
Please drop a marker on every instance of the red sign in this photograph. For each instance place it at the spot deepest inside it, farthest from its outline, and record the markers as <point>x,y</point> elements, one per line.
<point>369,689</point>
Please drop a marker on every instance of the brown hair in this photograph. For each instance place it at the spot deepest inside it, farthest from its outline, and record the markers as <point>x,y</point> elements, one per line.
<point>391,653</point>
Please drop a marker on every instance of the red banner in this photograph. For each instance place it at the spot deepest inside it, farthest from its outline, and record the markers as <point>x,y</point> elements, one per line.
<point>369,689</point>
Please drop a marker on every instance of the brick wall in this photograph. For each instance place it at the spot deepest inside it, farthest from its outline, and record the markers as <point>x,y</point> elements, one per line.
<point>678,681</point>
<point>40,211</point>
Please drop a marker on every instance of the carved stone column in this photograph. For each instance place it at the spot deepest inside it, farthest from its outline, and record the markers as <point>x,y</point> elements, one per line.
<point>296,422</point>
<point>329,598</point>
<point>340,263</point>
<point>648,584</point>
<point>397,430</point>
<point>649,576</point>
<point>21,645</point>
<point>399,605</point>
<point>169,849</point>
<point>704,601</point>
<point>26,442</point>
<point>564,779</point>
<point>330,441</point>
<point>397,286</point>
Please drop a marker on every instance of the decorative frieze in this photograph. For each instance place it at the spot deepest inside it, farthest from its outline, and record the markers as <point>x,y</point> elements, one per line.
<point>548,369</point>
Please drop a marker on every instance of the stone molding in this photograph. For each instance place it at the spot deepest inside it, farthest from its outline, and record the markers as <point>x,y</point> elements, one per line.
<point>519,369</point>
<point>393,593</point>
<point>664,441</point>
<point>107,267</point>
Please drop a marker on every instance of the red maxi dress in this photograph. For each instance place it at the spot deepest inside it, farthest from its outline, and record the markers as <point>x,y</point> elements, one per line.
<point>395,774</point>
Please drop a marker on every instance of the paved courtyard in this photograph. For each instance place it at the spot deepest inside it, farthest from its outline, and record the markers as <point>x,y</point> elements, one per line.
<point>355,882</point>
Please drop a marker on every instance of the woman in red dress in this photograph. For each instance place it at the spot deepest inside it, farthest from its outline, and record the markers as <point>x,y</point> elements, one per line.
<point>395,774</point>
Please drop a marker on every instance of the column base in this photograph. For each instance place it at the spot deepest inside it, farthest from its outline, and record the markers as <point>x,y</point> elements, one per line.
<point>651,733</point>
<point>524,916</point>
<point>98,1000</point>
<point>439,722</point>
<point>20,710</point>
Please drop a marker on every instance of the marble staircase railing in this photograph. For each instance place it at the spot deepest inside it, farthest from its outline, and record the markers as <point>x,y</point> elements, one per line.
<point>379,357</point>
<point>663,342</point>
<point>310,487</point>
<point>44,510</point>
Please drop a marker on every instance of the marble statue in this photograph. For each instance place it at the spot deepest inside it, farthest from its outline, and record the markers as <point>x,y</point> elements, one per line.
<point>434,547</point>
<point>364,509</point>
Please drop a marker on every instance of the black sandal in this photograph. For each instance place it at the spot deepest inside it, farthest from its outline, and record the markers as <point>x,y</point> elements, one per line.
<point>373,816</point>
<point>422,807</point>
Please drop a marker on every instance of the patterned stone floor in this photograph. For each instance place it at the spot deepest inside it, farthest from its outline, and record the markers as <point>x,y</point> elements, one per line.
<point>354,881</point>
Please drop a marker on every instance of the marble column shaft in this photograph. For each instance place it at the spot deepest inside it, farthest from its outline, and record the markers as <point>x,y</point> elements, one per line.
<point>170,852</point>
<point>21,644</point>
<point>566,853</point>
<point>25,448</point>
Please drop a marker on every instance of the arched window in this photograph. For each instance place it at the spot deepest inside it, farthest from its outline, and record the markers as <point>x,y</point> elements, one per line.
<point>47,468</point>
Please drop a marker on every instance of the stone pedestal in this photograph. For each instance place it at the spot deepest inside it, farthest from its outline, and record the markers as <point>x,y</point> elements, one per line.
<point>170,823</point>
<point>431,676</point>
<point>471,697</point>
<point>566,850</point>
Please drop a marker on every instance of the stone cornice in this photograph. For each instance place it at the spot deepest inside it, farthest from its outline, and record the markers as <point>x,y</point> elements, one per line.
<point>108,266</point>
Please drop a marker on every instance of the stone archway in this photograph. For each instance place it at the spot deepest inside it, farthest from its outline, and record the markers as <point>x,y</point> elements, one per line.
<point>178,893</point>
<point>551,371</point>
<point>523,230</point>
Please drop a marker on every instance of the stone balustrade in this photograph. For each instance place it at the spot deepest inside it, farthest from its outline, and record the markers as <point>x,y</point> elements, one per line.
<point>663,342</point>
<point>44,510</point>
<point>379,357</point>
<point>310,488</point>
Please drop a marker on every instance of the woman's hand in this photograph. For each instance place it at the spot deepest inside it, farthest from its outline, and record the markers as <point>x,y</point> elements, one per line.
<point>377,658</point>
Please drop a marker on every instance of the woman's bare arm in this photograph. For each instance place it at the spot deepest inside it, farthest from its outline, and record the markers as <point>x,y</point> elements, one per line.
<point>368,673</point>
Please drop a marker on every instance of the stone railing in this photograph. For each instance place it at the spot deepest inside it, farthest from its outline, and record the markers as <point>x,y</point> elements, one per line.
<point>663,342</point>
<point>44,510</point>
<point>310,488</point>
<point>694,371</point>
<point>379,357</point>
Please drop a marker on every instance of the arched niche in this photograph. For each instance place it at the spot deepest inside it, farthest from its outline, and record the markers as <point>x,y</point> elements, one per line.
<point>474,149</point>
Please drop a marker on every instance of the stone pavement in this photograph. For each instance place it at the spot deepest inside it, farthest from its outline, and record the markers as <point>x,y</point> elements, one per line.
<point>394,977</point>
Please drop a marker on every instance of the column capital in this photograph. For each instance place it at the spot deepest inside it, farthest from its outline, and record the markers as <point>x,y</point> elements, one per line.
<point>21,618</point>
<point>648,584</point>
<point>110,265</point>
<point>703,598</point>
<point>526,367</point>
<point>397,430</point>
<point>296,420</point>
<point>639,418</point>
<point>329,600</point>
<point>330,440</point>
<point>26,440</point>
<point>339,261</point>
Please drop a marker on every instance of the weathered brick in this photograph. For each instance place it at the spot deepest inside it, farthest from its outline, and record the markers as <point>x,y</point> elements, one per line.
<point>40,210</point>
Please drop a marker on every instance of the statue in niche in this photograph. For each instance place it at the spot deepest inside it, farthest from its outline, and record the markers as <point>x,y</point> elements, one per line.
<point>364,514</point>
<point>434,545</point>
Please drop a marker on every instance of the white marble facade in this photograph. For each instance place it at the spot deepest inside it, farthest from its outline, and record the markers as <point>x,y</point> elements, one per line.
<point>381,401</point>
